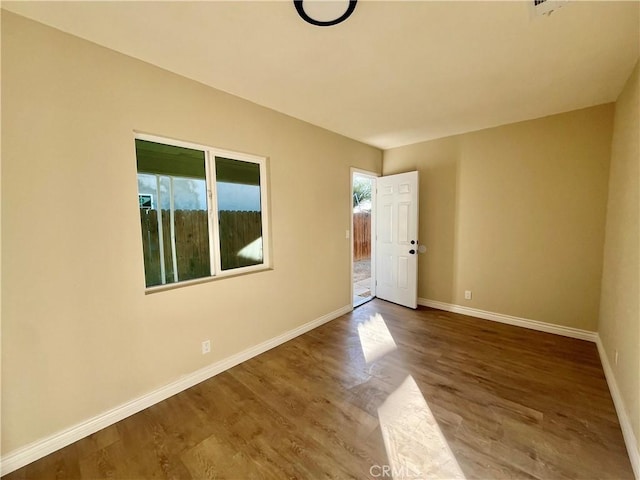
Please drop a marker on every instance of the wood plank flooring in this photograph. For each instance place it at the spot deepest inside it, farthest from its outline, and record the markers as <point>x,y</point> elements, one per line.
<point>383,392</point>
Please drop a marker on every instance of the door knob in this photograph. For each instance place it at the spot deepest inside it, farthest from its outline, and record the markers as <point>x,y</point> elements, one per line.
<point>412,251</point>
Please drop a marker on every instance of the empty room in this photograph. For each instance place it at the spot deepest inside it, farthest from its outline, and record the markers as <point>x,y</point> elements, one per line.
<point>320,239</point>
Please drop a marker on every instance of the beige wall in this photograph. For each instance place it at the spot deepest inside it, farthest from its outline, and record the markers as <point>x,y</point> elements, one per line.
<point>79,334</point>
<point>619,326</point>
<point>516,215</point>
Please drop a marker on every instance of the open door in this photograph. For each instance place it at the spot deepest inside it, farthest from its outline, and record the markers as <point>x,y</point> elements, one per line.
<point>397,239</point>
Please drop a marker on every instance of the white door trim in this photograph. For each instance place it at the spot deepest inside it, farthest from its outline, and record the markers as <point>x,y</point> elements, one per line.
<point>354,171</point>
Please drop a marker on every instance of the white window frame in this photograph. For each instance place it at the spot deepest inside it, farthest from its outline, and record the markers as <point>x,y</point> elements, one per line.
<point>210,153</point>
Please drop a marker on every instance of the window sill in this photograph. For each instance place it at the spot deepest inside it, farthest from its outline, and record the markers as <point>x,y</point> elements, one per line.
<point>198,281</point>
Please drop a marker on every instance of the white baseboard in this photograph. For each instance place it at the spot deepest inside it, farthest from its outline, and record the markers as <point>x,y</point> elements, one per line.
<point>40,448</point>
<point>623,417</point>
<point>517,321</point>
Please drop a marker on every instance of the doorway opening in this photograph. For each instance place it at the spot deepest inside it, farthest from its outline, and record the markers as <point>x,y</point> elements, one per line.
<point>363,187</point>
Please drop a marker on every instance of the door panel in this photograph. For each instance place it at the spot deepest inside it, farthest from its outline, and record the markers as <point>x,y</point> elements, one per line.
<point>386,220</point>
<point>403,272</point>
<point>404,212</point>
<point>397,206</point>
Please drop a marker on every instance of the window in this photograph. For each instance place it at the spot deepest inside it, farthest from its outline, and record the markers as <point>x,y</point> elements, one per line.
<point>202,211</point>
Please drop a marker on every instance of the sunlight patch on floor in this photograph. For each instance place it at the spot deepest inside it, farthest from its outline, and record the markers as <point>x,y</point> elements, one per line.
<point>416,447</point>
<point>375,338</point>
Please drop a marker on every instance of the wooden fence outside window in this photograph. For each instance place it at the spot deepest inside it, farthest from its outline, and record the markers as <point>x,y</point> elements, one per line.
<point>237,230</point>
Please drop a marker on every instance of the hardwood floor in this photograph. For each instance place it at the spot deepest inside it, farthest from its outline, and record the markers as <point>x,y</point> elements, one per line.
<point>381,392</point>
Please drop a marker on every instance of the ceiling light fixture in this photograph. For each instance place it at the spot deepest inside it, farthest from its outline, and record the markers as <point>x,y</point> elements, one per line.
<point>324,23</point>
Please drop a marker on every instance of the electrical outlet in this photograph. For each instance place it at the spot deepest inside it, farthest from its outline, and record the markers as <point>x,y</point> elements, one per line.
<point>615,358</point>
<point>467,295</point>
<point>206,347</point>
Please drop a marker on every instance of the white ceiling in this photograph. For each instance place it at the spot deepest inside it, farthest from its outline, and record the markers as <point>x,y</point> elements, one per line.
<point>394,73</point>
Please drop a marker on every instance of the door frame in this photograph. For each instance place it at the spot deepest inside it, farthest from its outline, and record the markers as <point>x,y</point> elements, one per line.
<point>374,175</point>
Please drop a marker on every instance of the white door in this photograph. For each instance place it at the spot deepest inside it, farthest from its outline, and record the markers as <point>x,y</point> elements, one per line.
<point>397,239</point>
